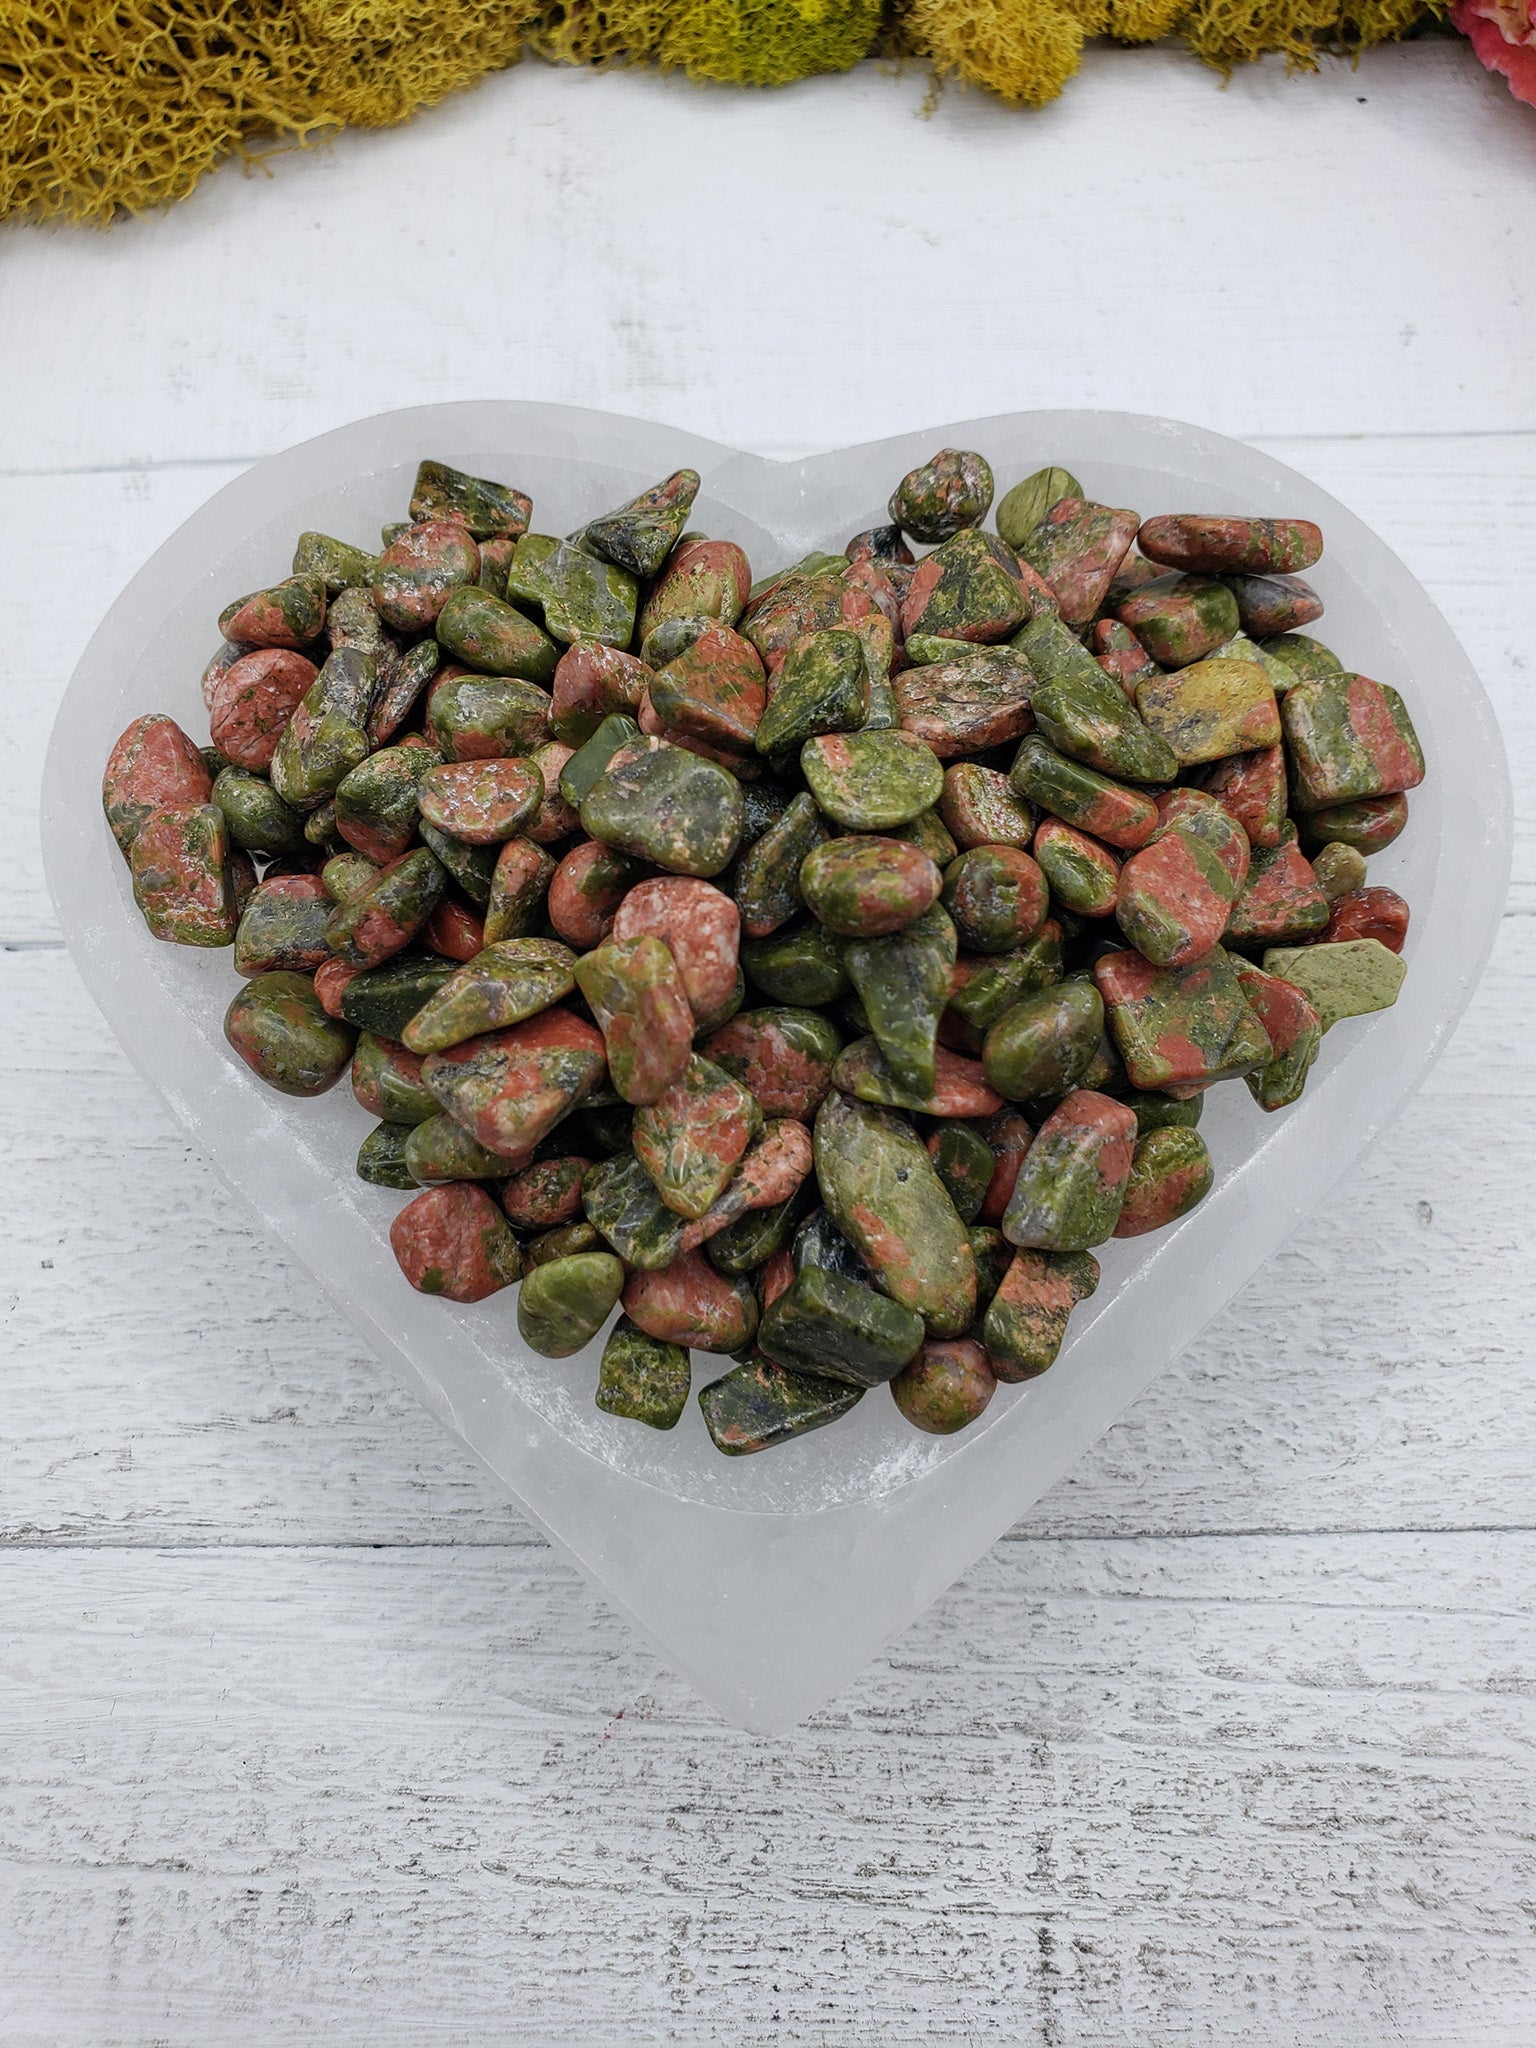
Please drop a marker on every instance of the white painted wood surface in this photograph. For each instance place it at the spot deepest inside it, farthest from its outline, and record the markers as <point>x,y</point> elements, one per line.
<point>303,1733</point>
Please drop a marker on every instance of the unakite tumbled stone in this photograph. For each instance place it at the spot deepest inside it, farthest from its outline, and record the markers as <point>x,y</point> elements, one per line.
<point>824,1323</point>
<point>1253,789</point>
<point>589,763</point>
<point>179,860</point>
<point>153,764</point>
<point>822,688</point>
<point>641,534</point>
<point>381,1157</point>
<point>519,883</point>
<point>1180,619</point>
<point>968,705</point>
<point>965,1162</point>
<point>1281,899</point>
<point>865,886</point>
<point>1021,510</point>
<point>484,506</point>
<point>1080,796</point>
<point>1271,605</point>
<point>1176,893</point>
<point>637,996</point>
<point>255,816</point>
<point>1350,978</point>
<point>338,565</point>
<point>641,1378</point>
<point>1348,738</point>
<point>1367,827</point>
<point>665,805</point>
<point>376,802</point>
<point>383,918</point>
<point>997,896</point>
<point>562,1243</point>
<point>691,1302</point>
<point>883,1193</point>
<point>1068,1194</point>
<point>1305,657</point>
<point>1211,709</point>
<point>482,803</point>
<point>970,588</point>
<point>782,1057</point>
<point>1219,544</point>
<point>283,926</point>
<point>582,597</point>
<point>1179,1027</point>
<point>454,1242</point>
<point>1294,1032</point>
<point>384,999</point>
<point>485,718</point>
<point>960,1088</point>
<point>714,690</point>
<point>1093,722</point>
<point>1121,655</point>
<point>620,1199</point>
<point>700,579</point>
<point>561,1306</point>
<point>692,1137</point>
<point>951,491</point>
<point>1170,1173</point>
<point>386,1079</point>
<point>473,868</point>
<point>1045,1043</point>
<point>980,808</point>
<point>800,967</point>
<point>593,682</point>
<point>1027,1318</point>
<point>870,781</point>
<point>904,981</point>
<point>767,876</point>
<point>946,1387</point>
<point>987,986</point>
<point>762,1404</point>
<point>929,834</point>
<point>546,1194</point>
<point>759,1235</point>
<point>1077,546</point>
<point>1339,869</point>
<point>290,614</point>
<point>501,986</point>
<point>510,1088</point>
<point>1084,876</point>
<point>278,1028</point>
<point>1155,1111</point>
<point>819,1242</point>
<point>488,634</point>
<point>439,1150</point>
<point>326,738</point>
<point>400,687</point>
<point>418,572</point>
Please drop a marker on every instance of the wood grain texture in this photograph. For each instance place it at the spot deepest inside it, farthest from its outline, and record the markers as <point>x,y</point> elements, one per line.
<point>1253,1790</point>
<point>304,1734</point>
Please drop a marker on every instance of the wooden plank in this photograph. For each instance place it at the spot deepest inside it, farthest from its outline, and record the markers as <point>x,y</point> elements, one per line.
<point>1244,1792</point>
<point>172,1378</point>
<point>1222,254</point>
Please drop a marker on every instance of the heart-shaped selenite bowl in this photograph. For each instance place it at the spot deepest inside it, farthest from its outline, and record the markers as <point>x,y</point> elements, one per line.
<point>770,1580</point>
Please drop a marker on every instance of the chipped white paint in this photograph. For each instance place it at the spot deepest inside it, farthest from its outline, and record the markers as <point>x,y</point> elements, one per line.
<point>305,1733</point>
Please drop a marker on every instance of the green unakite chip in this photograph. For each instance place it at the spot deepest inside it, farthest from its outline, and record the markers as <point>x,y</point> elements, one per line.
<point>644,1379</point>
<point>824,1323</point>
<point>760,1404</point>
<point>870,781</point>
<point>561,1306</point>
<point>1349,978</point>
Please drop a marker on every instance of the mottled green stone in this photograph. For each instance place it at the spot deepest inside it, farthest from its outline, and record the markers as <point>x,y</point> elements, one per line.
<point>824,1323</point>
<point>1344,978</point>
<point>478,717</point>
<point>1213,708</point>
<point>1081,797</point>
<point>979,808</point>
<point>488,634</point>
<point>472,867</point>
<point>388,1083</point>
<point>381,1157</point>
<point>337,564</point>
<point>514,979</point>
<point>692,1138</point>
<point>581,596</point>
<point>946,1387</point>
<point>969,588</point>
<point>1179,1027</point>
<point>665,805</point>
<point>1154,1111</point>
<point>904,982</point>
<point>439,1149</point>
<point>1076,547</point>
<point>641,534</point>
<point>1180,619</point>
<point>757,1236</point>
<point>255,816</point>
<point>326,738</point>
<point>927,650</point>
<point>346,875</point>
<point>1348,738</point>
<point>1368,826</point>
<point>385,999</point>
<point>278,1028</point>
<point>376,802</point>
<point>563,1243</point>
<point>1027,1318</point>
<point>182,880</point>
<point>1045,1044</point>
<point>802,967</point>
<point>1072,1181</point>
<point>951,491</point>
<point>819,1242</point>
<point>486,507</point>
<point>620,1199</point>
<point>1021,510</point>
<point>1306,658</point>
<point>988,987</point>
<point>883,1193</point>
<point>1339,869</point>
<point>930,835</point>
<point>822,688</point>
<point>643,1379</point>
<point>767,875</point>
<point>760,1404</point>
<point>1171,1171</point>
<point>1094,723</point>
<point>590,761</point>
<point>383,918</point>
<point>1083,875</point>
<point>641,1006</point>
<point>561,1306</point>
<point>283,925</point>
<point>965,1162</point>
<point>864,886</point>
<point>870,781</point>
